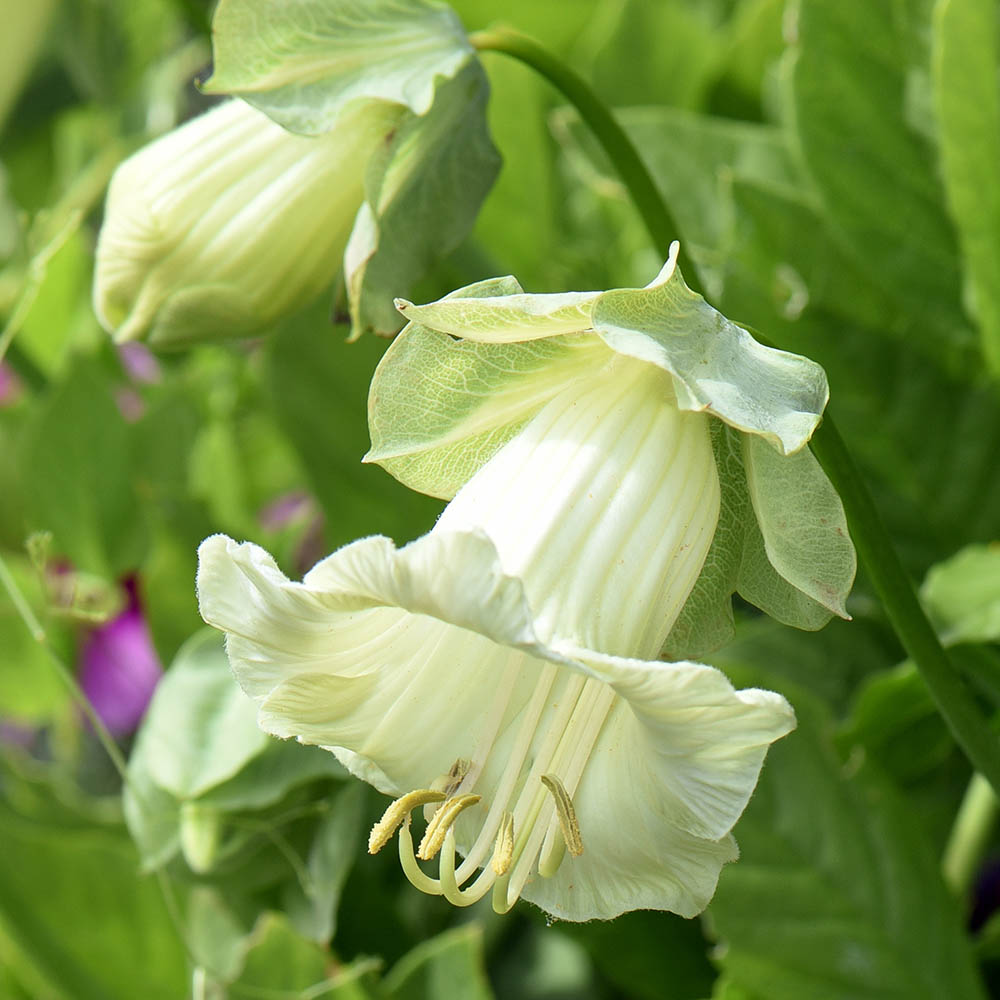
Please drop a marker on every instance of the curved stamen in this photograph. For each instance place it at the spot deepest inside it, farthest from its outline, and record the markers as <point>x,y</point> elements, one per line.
<point>501,901</point>
<point>553,848</point>
<point>566,813</point>
<point>449,887</point>
<point>515,763</point>
<point>399,810</point>
<point>441,823</point>
<point>578,734</point>
<point>408,862</point>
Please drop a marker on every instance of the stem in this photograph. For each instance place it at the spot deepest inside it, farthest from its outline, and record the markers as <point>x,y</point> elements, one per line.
<point>33,625</point>
<point>951,695</point>
<point>656,216</point>
<point>971,833</point>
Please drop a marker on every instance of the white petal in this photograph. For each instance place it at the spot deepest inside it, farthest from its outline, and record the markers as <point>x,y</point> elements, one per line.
<point>675,764</point>
<point>391,654</point>
<point>701,741</point>
<point>406,661</point>
<point>604,506</point>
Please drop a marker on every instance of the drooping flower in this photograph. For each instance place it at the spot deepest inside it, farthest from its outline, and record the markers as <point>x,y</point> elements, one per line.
<point>505,664</point>
<point>221,226</point>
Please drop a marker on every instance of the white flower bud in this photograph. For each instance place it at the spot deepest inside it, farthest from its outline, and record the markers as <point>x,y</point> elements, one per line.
<point>220,227</point>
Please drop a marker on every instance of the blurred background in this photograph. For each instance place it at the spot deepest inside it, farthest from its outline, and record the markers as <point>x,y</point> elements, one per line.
<point>808,152</point>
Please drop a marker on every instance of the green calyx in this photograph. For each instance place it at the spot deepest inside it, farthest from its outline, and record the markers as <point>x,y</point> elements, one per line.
<point>440,407</point>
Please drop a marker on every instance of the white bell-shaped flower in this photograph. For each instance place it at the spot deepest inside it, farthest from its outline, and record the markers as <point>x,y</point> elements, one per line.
<point>505,666</point>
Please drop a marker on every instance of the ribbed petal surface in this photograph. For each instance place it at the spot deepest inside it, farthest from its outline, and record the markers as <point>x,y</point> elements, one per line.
<point>233,205</point>
<point>604,506</point>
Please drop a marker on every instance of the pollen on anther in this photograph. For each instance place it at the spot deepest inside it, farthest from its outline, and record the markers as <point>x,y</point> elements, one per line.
<point>567,814</point>
<point>503,852</point>
<point>398,810</point>
<point>441,823</point>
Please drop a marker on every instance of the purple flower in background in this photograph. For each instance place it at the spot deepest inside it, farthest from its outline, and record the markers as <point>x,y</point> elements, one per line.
<point>139,362</point>
<point>119,667</point>
<point>297,507</point>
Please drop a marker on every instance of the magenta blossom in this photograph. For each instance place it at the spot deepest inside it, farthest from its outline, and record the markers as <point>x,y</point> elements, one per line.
<point>119,667</point>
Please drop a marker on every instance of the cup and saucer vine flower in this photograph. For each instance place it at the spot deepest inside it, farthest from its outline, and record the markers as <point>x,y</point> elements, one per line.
<point>355,141</point>
<point>501,673</point>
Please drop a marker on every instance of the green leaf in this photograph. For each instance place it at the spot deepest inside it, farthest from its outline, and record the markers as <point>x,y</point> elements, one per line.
<point>962,595</point>
<point>802,523</point>
<point>641,951</point>
<point>440,408</point>
<point>836,894</point>
<point>693,158</point>
<point>269,777</point>
<point>303,61</point>
<point>284,964</point>
<point>201,729</point>
<point>336,845</point>
<point>965,66</point>
<point>423,193</point>
<point>895,719</point>
<point>717,366</point>
<point>874,174</point>
<point>450,965</point>
<point>70,899</point>
<point>76,453</point>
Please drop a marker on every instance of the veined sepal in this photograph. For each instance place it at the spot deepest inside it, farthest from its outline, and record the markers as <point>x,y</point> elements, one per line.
<point>307,63</point>
<point>441,407</point>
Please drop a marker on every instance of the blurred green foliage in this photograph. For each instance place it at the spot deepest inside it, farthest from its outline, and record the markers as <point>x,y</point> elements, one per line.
<point>832,168</point>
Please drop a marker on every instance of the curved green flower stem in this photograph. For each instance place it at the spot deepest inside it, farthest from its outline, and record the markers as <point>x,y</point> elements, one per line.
<point>653,210</point>
<point>969,836</point>
<point>951,695</point>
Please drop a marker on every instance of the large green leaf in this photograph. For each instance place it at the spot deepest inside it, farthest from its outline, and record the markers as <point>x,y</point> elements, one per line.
<point>303,61</point>
<point>336,845</point>
<point>847,101</point>
<point>201,729</point>
<point>965,66</point>
<point>71,902</point>
<point>281,963</point>
<point>836,894</point>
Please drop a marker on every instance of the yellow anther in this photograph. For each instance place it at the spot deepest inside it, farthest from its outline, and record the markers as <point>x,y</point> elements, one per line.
<point>503,852</point>
<point>441,823</point>
<point>383,830</point>
<point>566,813</point>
